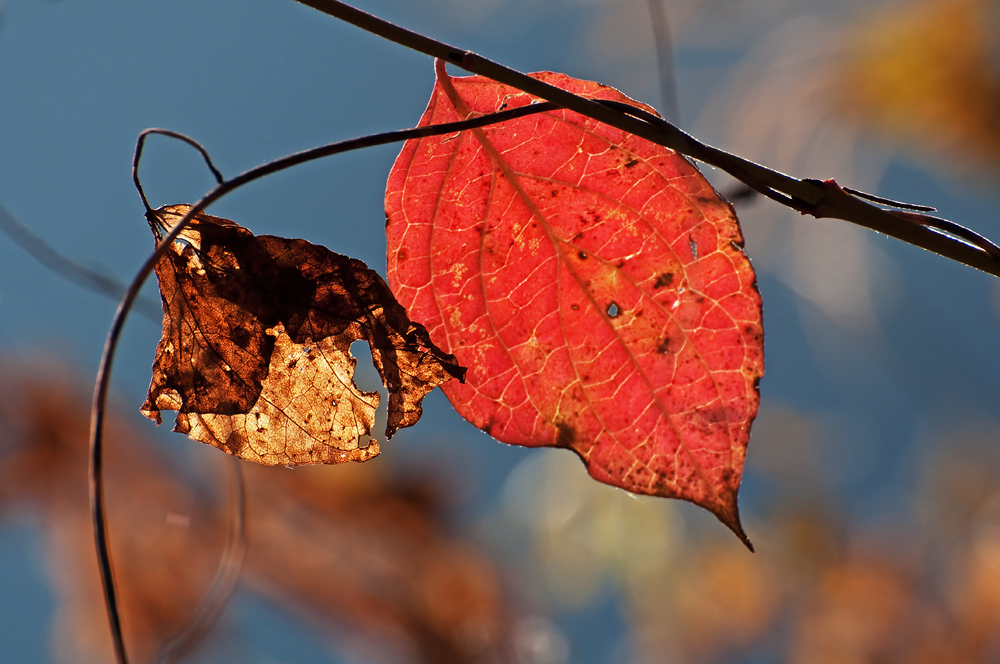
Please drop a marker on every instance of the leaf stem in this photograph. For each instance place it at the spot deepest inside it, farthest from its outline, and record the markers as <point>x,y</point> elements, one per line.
<point>813,197</point>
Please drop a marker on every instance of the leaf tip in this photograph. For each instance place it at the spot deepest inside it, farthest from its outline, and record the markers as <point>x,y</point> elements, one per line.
<point>729,515</point>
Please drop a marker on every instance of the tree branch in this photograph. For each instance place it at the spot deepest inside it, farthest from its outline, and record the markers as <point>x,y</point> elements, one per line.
<point>808,196</point>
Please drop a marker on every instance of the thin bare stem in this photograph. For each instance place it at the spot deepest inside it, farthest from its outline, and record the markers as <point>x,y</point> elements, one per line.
<point>103,381</point>
<point>63,265</point>
<point>97,505</point>
<point>226,578</point>
<point>889,201</point>
<point>665,61</point>
<point>813,197</point>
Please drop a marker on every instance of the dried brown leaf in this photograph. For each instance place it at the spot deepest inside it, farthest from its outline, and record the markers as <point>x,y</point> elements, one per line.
<point>255,354</point>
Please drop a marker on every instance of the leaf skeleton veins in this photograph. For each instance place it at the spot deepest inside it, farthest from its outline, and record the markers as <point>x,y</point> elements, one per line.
<point>255,354</point>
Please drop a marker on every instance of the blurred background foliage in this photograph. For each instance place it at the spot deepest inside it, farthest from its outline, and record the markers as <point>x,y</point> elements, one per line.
<point>872,487</point>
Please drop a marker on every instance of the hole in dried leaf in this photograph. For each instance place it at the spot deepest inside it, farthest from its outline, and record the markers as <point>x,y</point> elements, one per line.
<point>694,247</point>
<point>613,310</point>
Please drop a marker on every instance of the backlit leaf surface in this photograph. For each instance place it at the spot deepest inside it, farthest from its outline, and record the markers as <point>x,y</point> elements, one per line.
<point>593,283</point>
<point>255,354</point>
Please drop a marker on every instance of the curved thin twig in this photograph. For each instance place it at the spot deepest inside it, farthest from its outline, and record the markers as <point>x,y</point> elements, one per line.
<point>226,577</point>
<point>103,380</point>
<point>811,197</point>
<point>141,144</point>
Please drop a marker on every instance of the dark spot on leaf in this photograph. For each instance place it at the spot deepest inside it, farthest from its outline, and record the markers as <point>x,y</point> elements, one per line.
<point>582,255</point>
<point>664,280</point>
<point>565,436</point>
<point>664,346</point>
<point>240,336</point>
<point>575,307</point>
<point>402,254</point>
<point>631,162</point>
<point>488,425</point>
<point>620,264</point>
<point>555,192</point>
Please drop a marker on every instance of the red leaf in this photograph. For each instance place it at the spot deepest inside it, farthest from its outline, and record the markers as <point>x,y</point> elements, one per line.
<point>593,282</point>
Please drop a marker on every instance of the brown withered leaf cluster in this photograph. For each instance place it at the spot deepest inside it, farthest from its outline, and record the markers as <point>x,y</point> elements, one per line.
<point>255,354</point>
<point>365,558</point>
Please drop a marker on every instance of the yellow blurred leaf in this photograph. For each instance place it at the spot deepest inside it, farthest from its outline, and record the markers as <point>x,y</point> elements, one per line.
<point>927,74</point>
